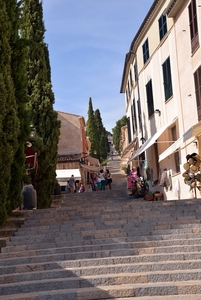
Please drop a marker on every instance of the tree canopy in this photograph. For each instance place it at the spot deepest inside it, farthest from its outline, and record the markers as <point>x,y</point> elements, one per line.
<point>97,134</point>
<point>26,99</point>
<point>41,100</point>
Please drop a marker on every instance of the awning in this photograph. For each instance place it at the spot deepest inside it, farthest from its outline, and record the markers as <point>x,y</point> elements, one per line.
<point>186,139</point>
<point>152,140</point>
<point>66,173</point>
<point>90,168</point>
<point>93,160</point>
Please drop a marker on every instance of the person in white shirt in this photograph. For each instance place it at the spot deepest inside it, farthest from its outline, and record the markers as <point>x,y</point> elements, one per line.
<point>72,184</point>
<point>102,180</point>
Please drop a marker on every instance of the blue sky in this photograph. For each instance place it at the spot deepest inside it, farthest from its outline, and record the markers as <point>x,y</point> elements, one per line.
<point>88,41</point>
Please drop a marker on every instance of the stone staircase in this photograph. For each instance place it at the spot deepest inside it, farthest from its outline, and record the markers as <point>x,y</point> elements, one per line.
<point>105,245</point>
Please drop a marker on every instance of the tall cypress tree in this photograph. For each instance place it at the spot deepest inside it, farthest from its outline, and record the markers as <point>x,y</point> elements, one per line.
<point>9,124</point>
<point>41,100</point>
<point>18,67</point>
<point>91,130</point>
<point>103,147</point>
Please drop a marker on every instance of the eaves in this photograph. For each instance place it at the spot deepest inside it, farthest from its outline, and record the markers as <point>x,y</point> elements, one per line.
<point>133,47</point>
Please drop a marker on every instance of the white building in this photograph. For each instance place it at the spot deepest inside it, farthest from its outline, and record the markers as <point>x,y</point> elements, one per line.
<point>162,85</point>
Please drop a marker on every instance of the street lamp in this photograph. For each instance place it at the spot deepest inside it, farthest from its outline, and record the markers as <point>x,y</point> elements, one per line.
<point>33,131</point>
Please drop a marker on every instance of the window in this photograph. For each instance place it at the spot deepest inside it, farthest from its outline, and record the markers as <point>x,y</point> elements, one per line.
<point>176,154</point>
<point>129,129</point>
<point>129,92</point>
<point>145,49</point>
<point>197,82</point>
<point>150,101</point>
<point>193,25</point>
<point>135,72</point>
<point>167,79</point>
<point>134,120</point>
<point>162,24</point>
<point>139,114</point>
<point>131,78</point>
<point>127,98</point>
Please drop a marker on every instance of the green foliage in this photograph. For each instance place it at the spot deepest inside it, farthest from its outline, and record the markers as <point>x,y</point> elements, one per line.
<point>91,129</point>
<point>9,123</point>
<point>103,145</point>
<point>41,100</point>
<point>18,68</point>
<point>97,134</point>
<point>117,133</point>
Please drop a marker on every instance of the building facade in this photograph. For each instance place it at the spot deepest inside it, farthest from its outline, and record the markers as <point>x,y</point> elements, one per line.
<point>162,86</point>
<point>73,150</point>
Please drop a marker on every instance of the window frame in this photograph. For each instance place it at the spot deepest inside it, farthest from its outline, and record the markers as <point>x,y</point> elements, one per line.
<point>145,51</point>
<point>134,119</point>
<point>197,84</point>
<point>150,98</point>
<point>167,79</point>
<point>193,24</point>
<point>176,154</point>
<point>162,26</point>
<point>139,114</point>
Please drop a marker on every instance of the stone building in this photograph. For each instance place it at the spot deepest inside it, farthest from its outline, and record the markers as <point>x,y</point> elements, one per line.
<point>73,150</point>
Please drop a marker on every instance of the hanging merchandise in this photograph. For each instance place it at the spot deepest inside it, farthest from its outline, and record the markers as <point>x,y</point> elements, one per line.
<point>192,177</point>
<point>164,178</point>
<point>170,181</point>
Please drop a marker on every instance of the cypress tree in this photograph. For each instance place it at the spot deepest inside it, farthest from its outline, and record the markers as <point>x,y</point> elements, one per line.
<point>91,130</point>
<point>41,100</point>
<point>103,145</point>
<point>18,46</point>
<point>9,124</point>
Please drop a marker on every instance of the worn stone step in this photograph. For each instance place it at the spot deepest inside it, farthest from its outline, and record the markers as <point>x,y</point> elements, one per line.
<point>103,245</point>
<point>3,242</point>
<point>101,240</point>
<point>94,224</point>
<point>79,236</point>
<point>143,263</point>
<point>7,232</point>
<point>172,297</point>
<point>105,231</point>
<point>125,290</point>
<point>115,249</point>
<point>134,220</point>
<point>76,278</point>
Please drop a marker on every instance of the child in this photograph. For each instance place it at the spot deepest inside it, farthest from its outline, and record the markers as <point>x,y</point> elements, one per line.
<point>81,188</point>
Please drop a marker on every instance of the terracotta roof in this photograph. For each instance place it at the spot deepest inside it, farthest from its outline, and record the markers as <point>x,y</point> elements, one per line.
<point>69,157</point>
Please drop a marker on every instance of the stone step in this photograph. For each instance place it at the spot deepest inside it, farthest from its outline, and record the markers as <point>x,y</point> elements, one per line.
<point>172,297</point>
<point>103,245</point>
<point>3,242</point>
<point>110,224</point>
<point>61,290</point>
<point>13,223</point>
<point>92,228</point>
<point>41,243</point>
<point>144,262</point>
<point>88,277</point>
<point>7,232</point>
<point>82,235</point>
<point>113,249</point>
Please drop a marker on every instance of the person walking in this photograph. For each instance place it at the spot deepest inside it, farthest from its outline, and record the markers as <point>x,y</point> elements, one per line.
<point>134,174</point>
<point>72,184</point>
<point>102,180</point>
<point>109,179</point>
